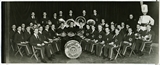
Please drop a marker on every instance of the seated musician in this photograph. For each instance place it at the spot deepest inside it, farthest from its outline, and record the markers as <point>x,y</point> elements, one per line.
<point>86,38</point>
<point>19,40</point>
<point>147,39</point>
<point>112,27</point>
<point>37,43</point>
<point>128,41</point>
<point>48,47</point>
<point>71,16</point>
<point>55,39</point>
<point>108,47</point>
<point>121,31</point>
<point>71,31</point>
<point>92,41</point>
<point>100,43</point>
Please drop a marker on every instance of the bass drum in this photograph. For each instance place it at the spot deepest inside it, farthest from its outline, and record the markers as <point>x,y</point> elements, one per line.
<point>73,49</point>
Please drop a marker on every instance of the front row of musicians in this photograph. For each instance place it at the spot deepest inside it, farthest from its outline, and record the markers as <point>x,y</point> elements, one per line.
<point>101,42</point>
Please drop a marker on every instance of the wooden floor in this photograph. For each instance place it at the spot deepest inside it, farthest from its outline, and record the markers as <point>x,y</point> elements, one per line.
<point>88,58</point>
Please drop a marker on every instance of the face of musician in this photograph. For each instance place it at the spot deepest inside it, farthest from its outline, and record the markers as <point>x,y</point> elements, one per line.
<point>13,26</point>
<point>130,30</point>
<point>23,25</point>
<point>49,22</point>
<point>55,15</point>
<point>94,12</point>
<point>130,16</point>
<point>40,28</point>
<point>138,26</point>
<point>32,15</point>
<point>44,14</point>
<point>36,31</point>
<point>87,26</point>
<point>53,27</point>
<point>70,12</point>
<point>122,25</point>
<point>60,13</point>
<point>99,28</point>
<point>38,24</point>
<point>116,31</point>
<point>28,29</point>
<point>127,26</point>
<point>46,27</point>
<point>31,24</point>
<point>106,25</point>
<point>107,30</point>
<point>112,27</point>
<point>19,29</point>
<point>35,26</point>
<point>103,22</point>
<point>71,24</point>
<point>84,12</point>
<point>81,24</point>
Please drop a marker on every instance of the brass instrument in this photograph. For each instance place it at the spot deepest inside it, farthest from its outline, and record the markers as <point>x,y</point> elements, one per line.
<point>91,22</point>
<point>147,37</point>
<point>80,19</point>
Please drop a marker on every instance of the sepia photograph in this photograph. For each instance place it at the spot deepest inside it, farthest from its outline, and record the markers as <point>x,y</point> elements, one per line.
<point>105,32</point>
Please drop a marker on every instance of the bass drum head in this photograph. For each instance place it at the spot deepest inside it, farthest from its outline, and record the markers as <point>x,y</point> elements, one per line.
<point>73,49</point>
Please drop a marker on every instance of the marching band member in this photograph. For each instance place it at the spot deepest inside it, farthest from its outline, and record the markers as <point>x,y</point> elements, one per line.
<point>55,20</point>
<point>102,22</point>
<point>44,19</point>
<point>56,41</point>
<point>100,43</point>
<point>33,19</point>
<point>36,42</point>
<point>20,40</point>
<point>71,16</point>
<point>96,17</point>
<point>84,14</point>
<point>112,29</point>
<point>131,21</point>
<point>61,15</point>
<point>12,33</point>
<point>108,49</point>
<point>145,19</point>
<point>122,32</point>
<point>128,41</point>
<point>23,27</point>
<point>85,44</point>
<point>48,48</point>
<point>93,41</point>
<point>147,39</point>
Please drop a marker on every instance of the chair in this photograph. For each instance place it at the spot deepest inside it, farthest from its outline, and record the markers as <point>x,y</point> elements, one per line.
<point>150,46</point>
<point>19,49</point>
<point>132,50</point>
<point>118,51</point>
<point>11,43</point>
<point>35,54</point>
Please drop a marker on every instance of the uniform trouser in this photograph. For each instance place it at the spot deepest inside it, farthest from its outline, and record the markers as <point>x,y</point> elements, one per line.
<point>124,48</point>
<point>99,48</point>
<point>63,42</point>
<point>143,45</point>
<point>138,43</point>
<point>49,50</point>
<point>108,51</point>
<point>42,51</point>
<point>83,44</point>
<point>56,45</point>
<point>91,46</point>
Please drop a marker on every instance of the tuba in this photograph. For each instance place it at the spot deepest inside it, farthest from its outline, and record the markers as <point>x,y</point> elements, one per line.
<point>147,37</point>
<point>80,19</point>
<point>91,22</point>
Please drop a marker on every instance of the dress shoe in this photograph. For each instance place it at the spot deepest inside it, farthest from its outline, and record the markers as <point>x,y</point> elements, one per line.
<point>111,59</point>
<point>50,58</point>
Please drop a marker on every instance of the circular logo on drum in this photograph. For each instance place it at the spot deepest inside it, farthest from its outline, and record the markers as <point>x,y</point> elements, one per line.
<point>73,49</point>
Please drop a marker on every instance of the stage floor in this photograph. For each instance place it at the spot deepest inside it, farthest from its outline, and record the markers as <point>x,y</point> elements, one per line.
<point>88,58</point>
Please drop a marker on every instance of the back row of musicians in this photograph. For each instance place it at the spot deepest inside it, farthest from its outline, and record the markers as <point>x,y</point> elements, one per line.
<point>100,38</point>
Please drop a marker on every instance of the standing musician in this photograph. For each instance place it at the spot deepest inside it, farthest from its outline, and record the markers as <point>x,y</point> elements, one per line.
<point>61,15</point>
<point>55,20</point>
<point>12,33</point>
<point>128,41</point>
<point>71,16</point>
<point>84,14</point>
<point>33,19</point>
<point>45,19</point>
<point>96,17</point>
<point>145,19</point>
<point>20,40</point>
<point>102,22</point>
<point>100,43</point>
<point>131,21</point>
<point>23,28</point>
<point>108,49</point>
